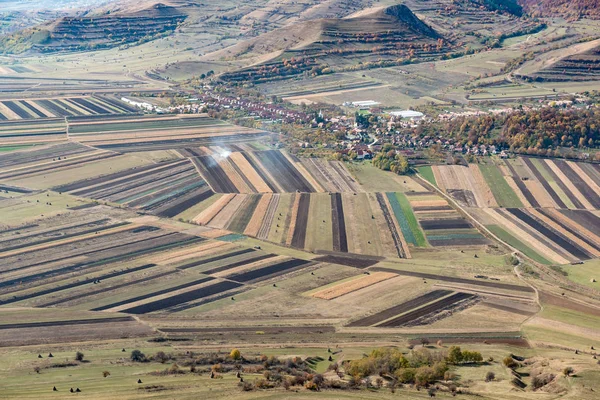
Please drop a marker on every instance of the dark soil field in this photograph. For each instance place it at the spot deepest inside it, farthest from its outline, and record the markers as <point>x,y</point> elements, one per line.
<point>445,224</point>
<point>299,235</point>
<point>183,298</point>
<point>443,278</point>
<point>400,308</point>
<point>350,260</point>
<point>270,271</point>
<point>340,241</point>
<point>410,318</point>
<point>550,234</point>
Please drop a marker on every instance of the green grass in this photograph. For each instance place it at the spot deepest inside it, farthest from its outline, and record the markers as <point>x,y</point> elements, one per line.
<point>570,317</point>
<point>7,149</point>
<point>517,244</point>
<point>406,219</point>
<point>427,173</point>
<point>503,193</point>
<point>583,273</point>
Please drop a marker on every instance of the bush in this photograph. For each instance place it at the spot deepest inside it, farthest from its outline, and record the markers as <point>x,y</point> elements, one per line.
<point>490,376</point>
<point>138,356</point>
<point>79,356</point>
<point>235,354</point>
<point>105,374</point>
<point>161,357</point>
<point>567,371</point>
<point>541,380</point>
<point>509,362</point>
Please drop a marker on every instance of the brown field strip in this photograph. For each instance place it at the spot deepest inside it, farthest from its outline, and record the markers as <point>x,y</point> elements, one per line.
<point>569,185</point>
<point>253,176</point>
<point>526,237</point>
<point>221,220</point>
<point>204,249</point>
<point>385,236</point>
<point>304,172</point>
<point>594,237</point>
<point>564,232</point>
<point>249,266</point>
<point>266,172</point>
<point>353,285</point>
<point>265,227</point>
<point>207,215</point>
<point>42,246</point>
<point>484,191</point>
<point>258,216</point>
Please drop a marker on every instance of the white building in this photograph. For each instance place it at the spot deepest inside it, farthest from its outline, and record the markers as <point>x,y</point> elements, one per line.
<point>407,114</point>
<point>363,104</point>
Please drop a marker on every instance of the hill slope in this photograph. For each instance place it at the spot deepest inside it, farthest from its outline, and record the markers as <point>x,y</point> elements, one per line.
<point>570,9</point>
<point>382,35</point>
<point>93,31</point>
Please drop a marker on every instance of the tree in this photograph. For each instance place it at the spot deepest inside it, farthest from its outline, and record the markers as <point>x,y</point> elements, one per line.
<point>235,354</point>
<point>490,376</point>
<point>455,356</point>
<point>79,356</point>
<point>138,356</point>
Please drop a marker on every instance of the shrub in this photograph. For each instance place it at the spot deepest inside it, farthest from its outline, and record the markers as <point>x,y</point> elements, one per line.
<point>138,356</point>
<point>79,356</point>
<point>541,380</point>
<point>509,362</point>
<point>105,374</point>
<point>161,357</point>
<point>567,371</point>
<point>490,376</point>
<point>235,354</point>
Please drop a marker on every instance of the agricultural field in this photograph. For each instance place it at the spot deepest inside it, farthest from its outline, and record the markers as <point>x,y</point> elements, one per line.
<point>164,189</point>
<point>269,171</point>
<point>62,107</point>
<point>541,207</point>
<point>136,133</point>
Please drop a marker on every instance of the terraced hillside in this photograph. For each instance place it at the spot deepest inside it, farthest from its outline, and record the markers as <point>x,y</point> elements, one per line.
<point>321,46</point>
<point>583,66</point>
<point>94,32</point>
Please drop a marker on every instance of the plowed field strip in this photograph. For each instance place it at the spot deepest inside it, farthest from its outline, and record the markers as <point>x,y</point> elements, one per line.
<point>238,264</point>
<point>183,298</point>
<point>567,186</point>
<point>340,241</point>
<point>544,183</point>
<point>270,271</point>
<point>436,306</point>
<point>400,308</point>
<point>216,258</point>
<point>87,281</point>
<point>506,286</point>
<point>522,187</point>
<point>588,196</point>
<point>299,233</point>
<point>265,227</point>
<point>507,309</point>
<point>551,235</point>
<point>66,323</point>
<point>106,289</point>
<point>153,294</point>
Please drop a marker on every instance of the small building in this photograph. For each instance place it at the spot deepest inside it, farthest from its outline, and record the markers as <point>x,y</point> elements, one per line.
<point>364,105</point>
<point>408,114</point>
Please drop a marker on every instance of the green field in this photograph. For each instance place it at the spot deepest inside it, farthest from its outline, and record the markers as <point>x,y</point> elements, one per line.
<point>517,244</point>
<point>406,219</point>
<point>502,192</point>
<point>584,273</point>
<point>427,173</point>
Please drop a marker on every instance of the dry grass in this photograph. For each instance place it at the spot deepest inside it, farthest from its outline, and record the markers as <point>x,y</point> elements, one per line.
<point>353,285</point>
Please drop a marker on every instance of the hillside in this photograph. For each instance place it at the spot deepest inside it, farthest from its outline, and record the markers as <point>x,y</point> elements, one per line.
<point>569,9</point>
<point>391,34</point>
<point>95,31</point>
